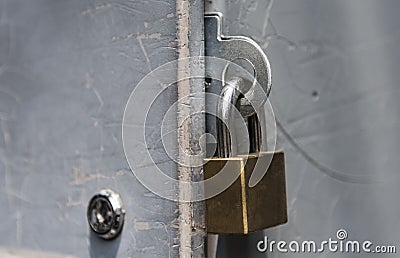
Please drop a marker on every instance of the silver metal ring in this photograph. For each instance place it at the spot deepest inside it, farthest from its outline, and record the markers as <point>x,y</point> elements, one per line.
<point>106,213</point>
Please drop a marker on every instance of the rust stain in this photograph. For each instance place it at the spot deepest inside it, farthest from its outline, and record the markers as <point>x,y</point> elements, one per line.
<point>80,177</point>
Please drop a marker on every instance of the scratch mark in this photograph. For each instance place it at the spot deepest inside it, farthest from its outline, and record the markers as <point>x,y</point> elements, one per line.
<point>127,8</point>
<point>82,201</point>
<point>81,178</point>
<point>145,225</point>
<point>144,52</point>
<point>103,6</point>
<point>98,98</point>
<point>266,20</point>
<point>338,175</point>
<point>147,36</point>
<point>276,36</point>
<point>86,11</point>
<point>17,196</point>
<point>88,80</point>
<point>5,132</point>
<point>161,2</point>
<point>121,38</point>
<point>21,253</point>
<point>98,7</point>
<point>372,95</point>
<point>19,226</point>
<point>150,36</point>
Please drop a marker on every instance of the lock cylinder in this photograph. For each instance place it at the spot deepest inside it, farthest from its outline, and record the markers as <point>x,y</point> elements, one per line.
<point>106,214</point>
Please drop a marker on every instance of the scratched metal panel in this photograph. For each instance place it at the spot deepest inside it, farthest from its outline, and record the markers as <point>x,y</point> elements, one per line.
<point>335,69</point>
<point>66,71</point>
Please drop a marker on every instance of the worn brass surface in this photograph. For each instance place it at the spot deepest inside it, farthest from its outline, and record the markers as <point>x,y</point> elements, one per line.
<point>241,209</point>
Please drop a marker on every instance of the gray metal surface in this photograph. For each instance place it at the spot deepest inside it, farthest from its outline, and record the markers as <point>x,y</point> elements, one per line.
<point>66,71</point>
<point>335,94</point>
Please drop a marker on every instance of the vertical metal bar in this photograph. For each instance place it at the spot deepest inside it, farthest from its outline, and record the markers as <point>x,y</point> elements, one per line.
<point>190,37</point>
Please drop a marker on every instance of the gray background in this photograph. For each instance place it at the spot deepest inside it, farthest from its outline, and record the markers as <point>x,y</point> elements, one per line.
<point>336,85</point>
<point>68,67</point>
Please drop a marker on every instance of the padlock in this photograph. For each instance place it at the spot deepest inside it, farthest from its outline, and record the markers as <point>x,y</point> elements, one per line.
<point>241,209</point>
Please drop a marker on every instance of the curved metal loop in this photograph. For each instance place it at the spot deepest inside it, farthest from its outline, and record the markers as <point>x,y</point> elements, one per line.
<point>229,99</point>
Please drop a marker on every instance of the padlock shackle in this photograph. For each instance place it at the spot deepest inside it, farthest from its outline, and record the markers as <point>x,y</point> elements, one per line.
<point>255,133</point>
<point>229,98</point>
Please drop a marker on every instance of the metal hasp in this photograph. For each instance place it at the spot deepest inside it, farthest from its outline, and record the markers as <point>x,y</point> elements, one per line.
<point>106,214</point>
<point>231,48</point>
<point>228,49</point>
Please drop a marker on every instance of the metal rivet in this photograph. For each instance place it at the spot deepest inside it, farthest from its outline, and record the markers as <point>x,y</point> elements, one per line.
<point>106,214</point>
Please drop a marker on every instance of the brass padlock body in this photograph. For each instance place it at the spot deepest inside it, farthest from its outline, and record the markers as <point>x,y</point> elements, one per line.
<point>241,209</point>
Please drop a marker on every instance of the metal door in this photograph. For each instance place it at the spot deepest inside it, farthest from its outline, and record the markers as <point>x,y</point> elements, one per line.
<point>67,69</point>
